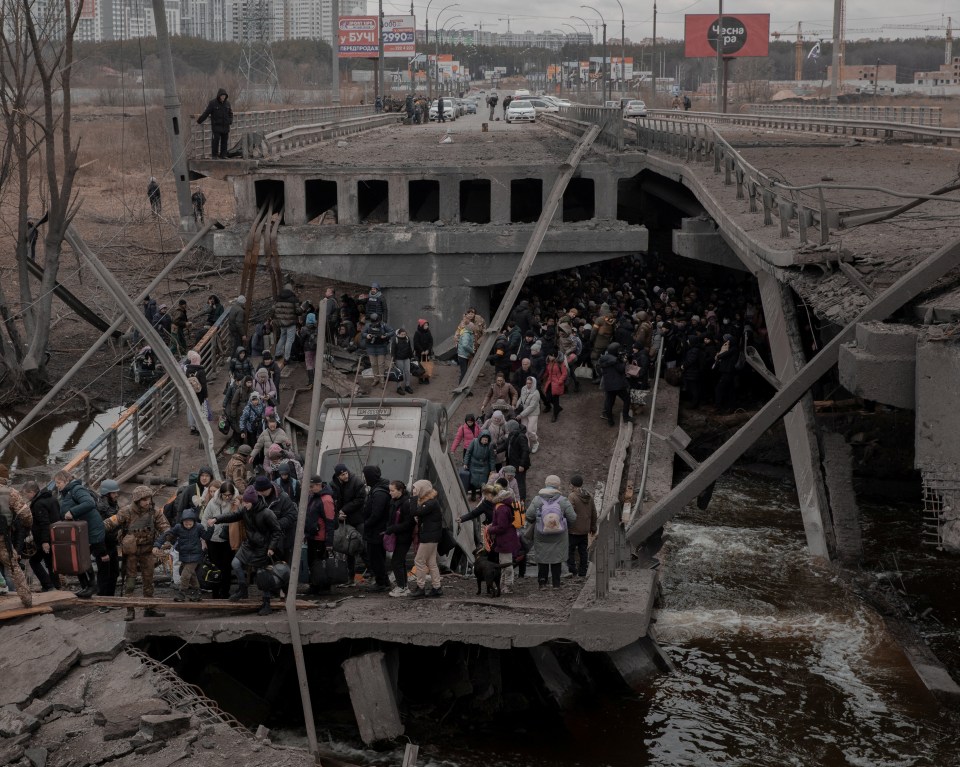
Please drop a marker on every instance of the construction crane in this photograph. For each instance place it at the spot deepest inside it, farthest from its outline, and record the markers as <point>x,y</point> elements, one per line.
<point>797,49</point>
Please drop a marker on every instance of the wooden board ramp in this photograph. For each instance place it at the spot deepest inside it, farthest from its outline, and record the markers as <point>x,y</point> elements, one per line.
<point>217,605</point>
<point>49,599</point>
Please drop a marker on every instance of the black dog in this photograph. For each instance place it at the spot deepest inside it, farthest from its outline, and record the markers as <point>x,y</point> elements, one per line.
<point>487,571</point>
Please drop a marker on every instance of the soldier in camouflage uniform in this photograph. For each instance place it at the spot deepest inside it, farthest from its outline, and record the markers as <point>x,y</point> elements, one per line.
<point>13,511</point>
<point>143,523</point>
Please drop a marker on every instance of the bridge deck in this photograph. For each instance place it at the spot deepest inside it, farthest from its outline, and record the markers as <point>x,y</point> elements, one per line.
<point>406,146</point>
<point>527,617</point>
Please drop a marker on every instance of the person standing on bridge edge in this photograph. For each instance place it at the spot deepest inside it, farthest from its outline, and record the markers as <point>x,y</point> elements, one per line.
<point>585,507</point>
<point>153,194</point>
<point>221,118</point>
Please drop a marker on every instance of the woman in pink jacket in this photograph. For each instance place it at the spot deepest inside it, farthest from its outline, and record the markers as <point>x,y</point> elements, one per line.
<point>554,378</point>
<point>469,430</point>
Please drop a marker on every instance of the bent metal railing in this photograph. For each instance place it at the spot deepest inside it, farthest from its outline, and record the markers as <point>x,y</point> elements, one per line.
<point>899,114</point>
<point>270,121</point>
<point>145,417</point>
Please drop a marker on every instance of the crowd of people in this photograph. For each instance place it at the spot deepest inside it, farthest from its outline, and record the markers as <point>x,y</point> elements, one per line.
<point>604,324</point>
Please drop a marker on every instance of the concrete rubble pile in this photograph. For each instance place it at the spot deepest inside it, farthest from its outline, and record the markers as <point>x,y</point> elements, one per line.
<point>71,697</point>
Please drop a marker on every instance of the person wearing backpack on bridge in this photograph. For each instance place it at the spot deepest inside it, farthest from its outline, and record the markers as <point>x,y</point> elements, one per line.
<point>550,514</point>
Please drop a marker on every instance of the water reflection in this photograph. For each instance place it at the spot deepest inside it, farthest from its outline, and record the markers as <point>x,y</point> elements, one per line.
<point>51,438</point>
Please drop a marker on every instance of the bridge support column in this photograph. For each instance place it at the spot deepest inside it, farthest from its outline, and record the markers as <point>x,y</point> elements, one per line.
<point>398,211</point>
<point>294,201</point>
<point>348,211</point>
<point>500,199</point>
<point>442,305</point>
<point>450,199</point>
<point>604,197</point>
<point>800,422</point>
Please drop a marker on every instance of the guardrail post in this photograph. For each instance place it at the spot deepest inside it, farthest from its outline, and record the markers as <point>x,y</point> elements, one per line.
<point>112,452</point>
<point>135,430</point>
<point>786,213</point>
<point>86,471</point>
<point>600,561</point>
<point>728,168</point>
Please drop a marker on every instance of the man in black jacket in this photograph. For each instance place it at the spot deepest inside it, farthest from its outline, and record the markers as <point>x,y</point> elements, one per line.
<point>221,117</point>
<point>518,455</point>
<point>350,493</point>
<point>284,509</point>
<point>376,513</point>
<point>613,381</point>
<point>264,537</point>
<point>46,511</point>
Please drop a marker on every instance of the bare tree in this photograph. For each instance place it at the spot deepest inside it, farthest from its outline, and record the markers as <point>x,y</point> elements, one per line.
<point>37,51</point>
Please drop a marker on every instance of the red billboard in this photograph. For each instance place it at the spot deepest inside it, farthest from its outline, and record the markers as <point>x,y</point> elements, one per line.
<point>743,34</point>
<point>359,37</point>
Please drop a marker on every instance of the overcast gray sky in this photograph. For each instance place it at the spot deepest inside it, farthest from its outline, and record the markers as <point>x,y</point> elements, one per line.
<point>864,19</point>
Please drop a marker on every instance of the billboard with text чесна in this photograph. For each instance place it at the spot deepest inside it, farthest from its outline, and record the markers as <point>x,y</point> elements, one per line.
<point>358,37</point>
<point>740,35</point>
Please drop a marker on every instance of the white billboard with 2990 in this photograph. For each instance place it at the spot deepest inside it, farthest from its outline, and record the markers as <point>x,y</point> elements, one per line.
<point>399,36</point>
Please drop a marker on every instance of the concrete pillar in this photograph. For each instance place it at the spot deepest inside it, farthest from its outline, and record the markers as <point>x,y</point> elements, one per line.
<point>294,200</point>
<point>549,179</point>
<point>398,208</point>
<point>639,662</point>
<point>373,697</point>
<point>560,686</point>
<point>246,196</point>
<point>450,199</point>
<point>442,305</point>
<point>604,196</point>
<point>500,199</point>
<point>838,471</point>
<point>698,238</point>
<point>348,211</point>
<point>801,424</point>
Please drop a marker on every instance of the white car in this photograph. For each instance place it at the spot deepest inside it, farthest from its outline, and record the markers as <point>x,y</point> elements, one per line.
<point>449,110</point>
<point>542,105</point>
<point>520,111</point>
<point>635,108</point>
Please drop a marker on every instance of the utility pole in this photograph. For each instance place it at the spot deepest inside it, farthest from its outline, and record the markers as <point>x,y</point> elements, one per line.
<point>720,84</point>
<point>383,95</point>
<point>334,51</point>
<point>876,81</point>
<point>653,57</point>
<point>173,121</point>
<point>837,46</point>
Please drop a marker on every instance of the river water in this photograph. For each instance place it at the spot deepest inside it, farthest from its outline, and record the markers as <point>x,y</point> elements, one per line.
<point>778,663</point>
<point>52,438</point>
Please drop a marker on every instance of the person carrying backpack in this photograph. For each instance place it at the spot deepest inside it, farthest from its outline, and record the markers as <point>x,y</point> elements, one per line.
<point>551,515</point>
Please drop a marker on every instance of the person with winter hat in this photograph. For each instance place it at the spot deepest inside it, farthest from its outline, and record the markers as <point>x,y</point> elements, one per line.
<point>423,348</point>
<point>376,514</point>
<point>143,523</point>
<point>187,535</point>
<point>402,354</point>
<point>585,507</point>
<point>551,514</point>
<point>528,411</point>
<point>13,509</point>
<point>430,518</point>
<point>264,537</point>
<point>251,420</point>
<point>308,339</point>
<point>469,430</point>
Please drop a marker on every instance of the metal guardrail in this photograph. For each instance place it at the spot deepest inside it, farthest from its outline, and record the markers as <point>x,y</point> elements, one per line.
<point>610,120</point>
<point>270,121</point>
<point>145,417</point>
<point>932,116</point>
<point>815,124</point>
<point>295,137</point>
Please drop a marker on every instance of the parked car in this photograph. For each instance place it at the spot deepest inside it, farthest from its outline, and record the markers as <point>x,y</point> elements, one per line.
<point>635,108</point>
<point>542,105</point>
<point>449,110</point>
<point>520,111</point>
<point>469,106</point>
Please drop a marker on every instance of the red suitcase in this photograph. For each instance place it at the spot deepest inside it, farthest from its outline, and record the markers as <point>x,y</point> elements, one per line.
<point>71,547</point>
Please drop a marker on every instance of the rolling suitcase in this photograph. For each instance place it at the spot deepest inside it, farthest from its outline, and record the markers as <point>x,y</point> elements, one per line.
<point>70,547</point>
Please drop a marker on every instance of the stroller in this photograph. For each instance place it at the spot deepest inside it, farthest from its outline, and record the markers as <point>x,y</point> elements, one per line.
<point>145,367</point>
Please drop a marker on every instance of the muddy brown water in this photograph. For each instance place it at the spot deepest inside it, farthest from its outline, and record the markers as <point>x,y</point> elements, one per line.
<point>52,438</point>
<point>778,661</point>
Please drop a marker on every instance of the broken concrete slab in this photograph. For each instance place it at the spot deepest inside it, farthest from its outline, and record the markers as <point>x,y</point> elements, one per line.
<point>559,685</point>
<point>15,722</point>
<point>123,720</point>
<point>40,709</point>
<point>97,637</point>
<point>35,658</point>
<point>70,694</point>
<point>164,726</point>
<point>373,697</point>
<point>37,756</point>
<point>10,752</point>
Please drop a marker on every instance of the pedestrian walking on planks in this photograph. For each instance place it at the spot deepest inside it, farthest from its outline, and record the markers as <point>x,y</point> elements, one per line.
<point>14,515</point>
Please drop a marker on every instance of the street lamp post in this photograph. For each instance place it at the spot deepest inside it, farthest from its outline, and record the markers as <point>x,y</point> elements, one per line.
<point>603,65</point>
<point>589,34</point>
<point>575,32</point>
<point>623,55</point>
<point>426,47</point>
<point>436,43</point>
